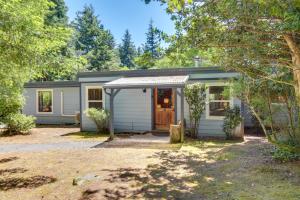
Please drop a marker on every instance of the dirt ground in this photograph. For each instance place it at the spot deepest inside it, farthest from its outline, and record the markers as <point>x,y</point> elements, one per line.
<point>195,170</point>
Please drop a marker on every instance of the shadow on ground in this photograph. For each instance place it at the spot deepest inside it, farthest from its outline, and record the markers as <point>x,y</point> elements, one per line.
<point>9,183</point>
<point>4,160</point>
<point>12,171</point>
<point>221,172</point>
<point>30,182</point>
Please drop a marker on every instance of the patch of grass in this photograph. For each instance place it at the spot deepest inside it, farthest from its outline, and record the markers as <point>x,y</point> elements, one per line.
<point>87,135</point>
<point>226,156</point>
<point>210,143</point>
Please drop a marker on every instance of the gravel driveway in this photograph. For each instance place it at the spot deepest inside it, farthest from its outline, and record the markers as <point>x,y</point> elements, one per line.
<point>45,139</point>
<point>8,148</point>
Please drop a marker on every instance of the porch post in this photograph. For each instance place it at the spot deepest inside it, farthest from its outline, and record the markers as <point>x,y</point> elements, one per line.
<point>182,114</point>
<point>175,105</point>
<point>111,109</point>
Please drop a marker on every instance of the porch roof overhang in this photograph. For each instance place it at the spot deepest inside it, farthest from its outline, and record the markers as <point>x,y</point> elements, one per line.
<point>148,82</point>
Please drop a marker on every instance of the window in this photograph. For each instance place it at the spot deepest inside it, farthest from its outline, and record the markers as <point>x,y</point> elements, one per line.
<point>94,98</point>
<point>278,100</point>
<point>218,101</point>
<point>164,98</point>
<point>44,101</point>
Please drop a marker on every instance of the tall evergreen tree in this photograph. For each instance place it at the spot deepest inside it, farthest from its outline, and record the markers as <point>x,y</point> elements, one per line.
<point>153,41</point>
<point>139,51</point>
<point>127,51</point>
<point>93,41</point>
<point>151,51</point>
<point>57,14</point>
<point>61,63</point>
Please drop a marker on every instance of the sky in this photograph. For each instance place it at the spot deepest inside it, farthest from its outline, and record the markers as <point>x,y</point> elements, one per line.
<point>119,15</point>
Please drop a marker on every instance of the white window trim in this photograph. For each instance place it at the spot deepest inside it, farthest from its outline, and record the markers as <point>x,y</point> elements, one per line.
<point>208,116</point>
<point>37,101</point>
<point>87,96</point>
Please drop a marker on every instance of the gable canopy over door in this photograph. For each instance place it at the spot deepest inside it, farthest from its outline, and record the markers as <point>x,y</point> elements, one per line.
<point>145,82</point>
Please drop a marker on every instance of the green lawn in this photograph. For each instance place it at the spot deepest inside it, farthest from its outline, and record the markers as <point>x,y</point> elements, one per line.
<point>87,135</point>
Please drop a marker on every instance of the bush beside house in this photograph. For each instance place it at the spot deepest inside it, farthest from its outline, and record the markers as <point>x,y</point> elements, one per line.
<point>231,123</point>
<point>195,96</point>
<point>99,117</point>
<point>17,123</point>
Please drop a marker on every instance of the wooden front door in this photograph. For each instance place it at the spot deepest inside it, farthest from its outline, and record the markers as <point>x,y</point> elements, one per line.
<point>164,108</point>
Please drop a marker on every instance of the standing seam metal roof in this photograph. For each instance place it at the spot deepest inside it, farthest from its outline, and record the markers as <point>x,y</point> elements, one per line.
<point>134,82</point>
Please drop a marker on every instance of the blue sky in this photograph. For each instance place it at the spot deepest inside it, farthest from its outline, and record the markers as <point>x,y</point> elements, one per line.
<point>118,15</point>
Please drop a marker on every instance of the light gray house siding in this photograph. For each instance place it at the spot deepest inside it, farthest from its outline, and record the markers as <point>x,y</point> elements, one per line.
<point>132,109</point>
<point>207,126</point>
<point>86,123</point>
<point>65,105</point>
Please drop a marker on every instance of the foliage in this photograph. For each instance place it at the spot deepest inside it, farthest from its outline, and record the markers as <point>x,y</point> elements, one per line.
<point>18,123</point>
<point>57,14</point>
<point>184,57</point>
<point>145,61</point>
<point>196,97</point>
<point>232,120</point>
<point>285,155</point>
<point>259,95</point>
<point>24,48</point>
<point>63,63</point>
<point>114,63</point>
<point>127,51</point>
<point>99,117</point>
<point>93,41</point>
<point>252,37</point>
<point>151,51</point>
<point>153,41</point>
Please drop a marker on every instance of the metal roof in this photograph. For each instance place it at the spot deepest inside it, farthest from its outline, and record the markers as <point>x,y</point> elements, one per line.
<point>146,82</point>
<point>154,72</point>
<point>52,84</point>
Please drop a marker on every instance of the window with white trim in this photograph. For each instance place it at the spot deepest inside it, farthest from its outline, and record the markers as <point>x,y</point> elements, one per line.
<point>44,101</point>
<point>94,98</point>
<point>218,100</point>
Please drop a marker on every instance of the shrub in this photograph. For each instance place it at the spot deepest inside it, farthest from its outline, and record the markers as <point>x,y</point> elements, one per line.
<point>285,155</point>
<point>232,120</point>
<point>18,123</point>
<point>99,117</point>
<point>195,96</point>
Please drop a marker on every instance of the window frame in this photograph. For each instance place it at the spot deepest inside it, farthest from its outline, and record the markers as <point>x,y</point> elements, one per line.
<point>87,96</point>
<point>208,101</point>
<point>37,101</point>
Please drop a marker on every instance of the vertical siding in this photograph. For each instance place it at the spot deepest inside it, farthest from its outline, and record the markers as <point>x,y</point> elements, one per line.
<point>71,105</point>
<point>70,101</point>
<point>132,109</point>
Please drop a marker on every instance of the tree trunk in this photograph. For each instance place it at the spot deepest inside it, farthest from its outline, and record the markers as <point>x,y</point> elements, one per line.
<point>295,53</point>
<point>258,118</point>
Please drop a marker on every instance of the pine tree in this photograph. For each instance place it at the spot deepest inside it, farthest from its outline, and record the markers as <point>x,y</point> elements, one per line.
<point>57,14</point>
<point>127,51</point>
<point>153,41</point>
<point>139,51</point>
<point>93,41</point>
<point>62,63</point>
